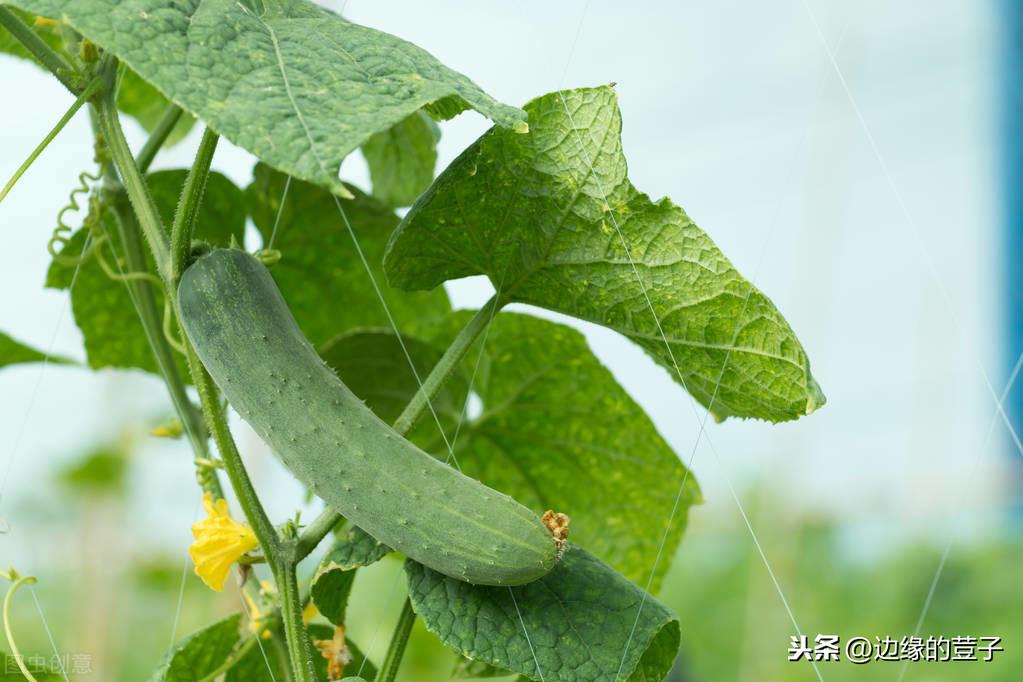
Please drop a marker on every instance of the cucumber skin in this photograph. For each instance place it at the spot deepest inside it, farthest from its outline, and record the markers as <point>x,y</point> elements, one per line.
<point>241,328</point>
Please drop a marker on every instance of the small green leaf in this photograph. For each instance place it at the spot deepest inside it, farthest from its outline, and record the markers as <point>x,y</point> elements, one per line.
<point>332,583</point>
<point>578,619</point>
<point>103,308</point>
<point>320,273</point>
<point>402,159</point>
<point>292,82</point>
<point>540,215</point>
<point>15,353</point>
<point>557,431</point>
<point>146,104</point>
<point>199,654</point>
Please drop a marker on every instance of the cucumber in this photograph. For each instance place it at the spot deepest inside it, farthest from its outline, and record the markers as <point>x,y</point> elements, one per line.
<point>242,330</point>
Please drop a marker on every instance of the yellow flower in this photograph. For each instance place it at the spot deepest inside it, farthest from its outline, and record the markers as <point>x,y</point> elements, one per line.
<point>219,542</point>
<point>309,612</point>
<point>336,653</point>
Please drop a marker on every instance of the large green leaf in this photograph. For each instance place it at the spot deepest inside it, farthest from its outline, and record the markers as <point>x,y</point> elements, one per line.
<point>321,273</point>
<point>402,159</point>
<point>557,431</point>
<point>292,82</point>
<point>103,308</point>
<point>578,619</point>
<point>540,215</point>
<point>199,654</point>
<point>135,97</point>
<point>13,352</point>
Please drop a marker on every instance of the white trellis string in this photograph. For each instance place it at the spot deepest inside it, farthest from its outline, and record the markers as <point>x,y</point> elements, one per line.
<point>257,635</point>
<point>49,634</point>
<point>908,218</point>
<point>922,248</point>
<point>969,480</point>
<point>280,211</point>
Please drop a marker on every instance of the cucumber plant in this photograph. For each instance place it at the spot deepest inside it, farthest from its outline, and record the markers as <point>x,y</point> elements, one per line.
<point>336,341</point>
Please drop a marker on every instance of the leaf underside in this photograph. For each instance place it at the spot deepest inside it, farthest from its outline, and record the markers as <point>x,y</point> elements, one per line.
<point>545,215</point>
<point>578,619</point>
<point>292,82</point>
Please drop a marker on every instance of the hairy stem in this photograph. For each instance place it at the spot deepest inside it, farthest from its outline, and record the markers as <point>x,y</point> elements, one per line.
<point>188,205</point>
<point>399,640</point>
<point>442,371</point>
<point>328,518</point>
<point>170,117</point>
<point>315,532</point>
<point>300,648</point>
<point>89,91</point>
<point>51,61</point>
<point>150,315</point>
<point>216,419</point>
<point>131,177</point>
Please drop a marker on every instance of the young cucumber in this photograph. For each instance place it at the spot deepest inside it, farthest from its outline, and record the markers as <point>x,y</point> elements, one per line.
<point>242,330</point>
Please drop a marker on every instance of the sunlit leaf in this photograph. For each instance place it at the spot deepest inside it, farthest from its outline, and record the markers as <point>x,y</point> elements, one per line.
<point>540,215</point>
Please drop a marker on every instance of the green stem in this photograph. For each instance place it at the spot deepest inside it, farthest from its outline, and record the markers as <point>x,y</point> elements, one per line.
<point>233,660</point>
<point>188,205</point>
<point>300,648</point>
<point>150,315</point>
<point>315,532</point>
<point>46,56</point>
<point>442,371</point>
<point>216,419</point>
<point>399,640</point>
<point>328,518</point>
<point>68,115</point>
<point>170,117</point>
<point>18,582</point>
<point>131,177</point>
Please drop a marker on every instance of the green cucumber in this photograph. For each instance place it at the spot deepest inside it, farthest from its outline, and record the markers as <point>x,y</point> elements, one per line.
<point>241,328</point>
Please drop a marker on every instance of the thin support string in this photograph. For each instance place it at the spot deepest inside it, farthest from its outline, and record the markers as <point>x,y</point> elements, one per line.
<point>908,219</point>
<point>394,327</point>
<point>257,635</point>
<point>49,634</point>
<point>526,633</point>
<point>922,249</point>
<point>939,571</point>
<point>181,585</point>
<point>280,212</point>
<point>39,378</point>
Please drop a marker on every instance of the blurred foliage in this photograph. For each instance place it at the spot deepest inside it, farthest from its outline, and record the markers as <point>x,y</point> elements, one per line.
<point>733,624</point>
